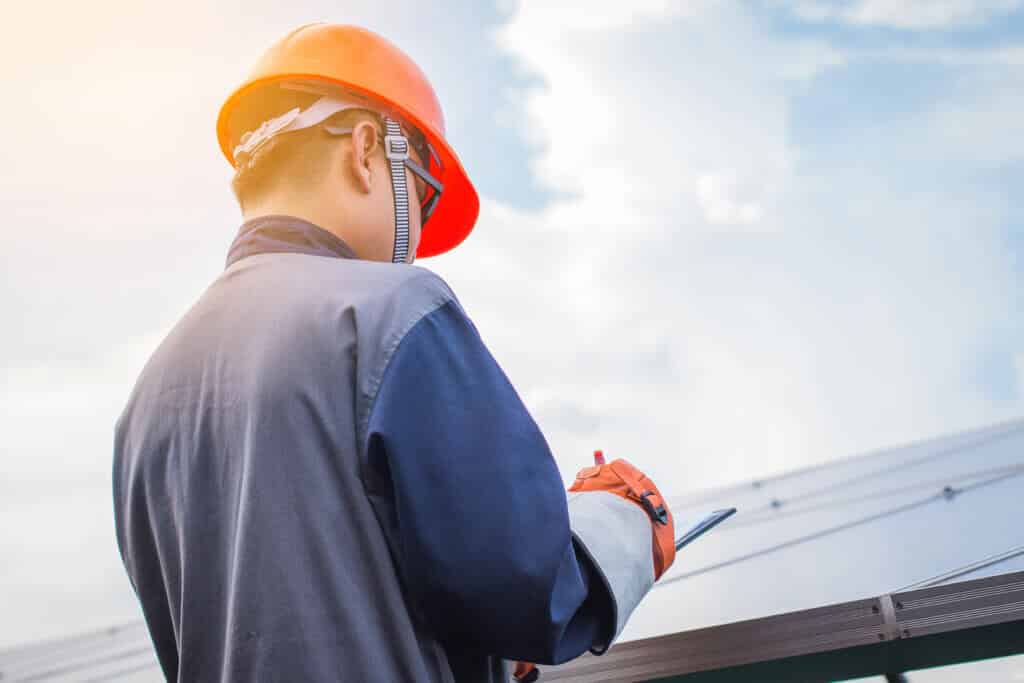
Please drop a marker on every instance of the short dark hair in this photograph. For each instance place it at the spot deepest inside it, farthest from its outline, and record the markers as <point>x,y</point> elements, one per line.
<point>295,159</point>
<point>292,159</point>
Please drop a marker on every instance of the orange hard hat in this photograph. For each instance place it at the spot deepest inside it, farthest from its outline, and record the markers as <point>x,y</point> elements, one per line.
<point>362,62</point>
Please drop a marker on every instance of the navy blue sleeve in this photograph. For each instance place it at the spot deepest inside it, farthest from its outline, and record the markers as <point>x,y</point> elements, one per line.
<point>485,547</point>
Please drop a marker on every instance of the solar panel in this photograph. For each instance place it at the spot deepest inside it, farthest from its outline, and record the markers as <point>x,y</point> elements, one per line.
<point>119,653</point>
<point>847,530</point>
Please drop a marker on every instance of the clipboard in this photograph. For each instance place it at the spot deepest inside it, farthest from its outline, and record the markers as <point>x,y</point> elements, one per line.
<point>699,524</point>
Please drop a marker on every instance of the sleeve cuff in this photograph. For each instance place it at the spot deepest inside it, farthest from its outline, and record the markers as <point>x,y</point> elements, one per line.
<point>616,535</point>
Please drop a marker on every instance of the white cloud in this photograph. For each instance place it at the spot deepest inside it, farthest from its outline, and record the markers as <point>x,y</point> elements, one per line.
<point>904,14</point>
<point>715,195</point>
<point>703,303</point>
<point>1010,55</point>
<point>557,15</point>
<point>645,124</point>
<point>1018,364</point>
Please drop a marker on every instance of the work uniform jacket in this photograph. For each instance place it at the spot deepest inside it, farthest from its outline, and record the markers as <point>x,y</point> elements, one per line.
<point>323,475</point>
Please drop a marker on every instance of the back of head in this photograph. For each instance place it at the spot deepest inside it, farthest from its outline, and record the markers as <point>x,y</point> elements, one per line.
<point>360,64</point>
<point>295,162</point>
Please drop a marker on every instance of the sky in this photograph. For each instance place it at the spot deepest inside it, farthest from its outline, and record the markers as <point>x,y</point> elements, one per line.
<point>718,238</point>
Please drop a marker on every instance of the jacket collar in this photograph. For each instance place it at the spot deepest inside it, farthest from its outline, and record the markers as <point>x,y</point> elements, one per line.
<point>286,234</point>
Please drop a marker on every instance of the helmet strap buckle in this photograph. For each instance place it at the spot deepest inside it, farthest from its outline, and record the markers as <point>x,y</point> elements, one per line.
<point>396,147</point>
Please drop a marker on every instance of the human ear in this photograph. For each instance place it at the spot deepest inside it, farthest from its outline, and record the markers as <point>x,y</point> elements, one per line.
<point>364,144</point>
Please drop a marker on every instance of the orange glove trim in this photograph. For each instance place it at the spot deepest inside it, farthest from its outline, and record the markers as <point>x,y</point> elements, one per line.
<point>526,672</point>
<point>622,479</point>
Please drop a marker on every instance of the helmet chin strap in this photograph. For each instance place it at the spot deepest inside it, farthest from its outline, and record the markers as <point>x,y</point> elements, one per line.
<point>396,149</point>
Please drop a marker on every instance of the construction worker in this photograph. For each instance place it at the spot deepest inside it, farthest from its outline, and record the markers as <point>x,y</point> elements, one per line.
<point>322,474</point>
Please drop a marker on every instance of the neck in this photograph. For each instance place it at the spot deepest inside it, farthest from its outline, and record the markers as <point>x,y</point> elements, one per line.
<point>367,240</point>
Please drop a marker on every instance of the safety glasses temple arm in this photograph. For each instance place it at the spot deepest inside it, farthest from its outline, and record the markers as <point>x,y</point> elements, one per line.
<point>424,174</point>
<point>416,168</point>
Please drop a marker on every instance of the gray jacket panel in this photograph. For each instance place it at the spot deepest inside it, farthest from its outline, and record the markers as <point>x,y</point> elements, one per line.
<point>232,441</point>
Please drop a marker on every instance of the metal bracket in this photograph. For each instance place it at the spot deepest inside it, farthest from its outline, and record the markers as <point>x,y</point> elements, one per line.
<point>890,627</point>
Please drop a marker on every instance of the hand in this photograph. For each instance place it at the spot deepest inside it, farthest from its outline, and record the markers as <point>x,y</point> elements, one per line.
<point>526,672</point>
<point>622,479</point>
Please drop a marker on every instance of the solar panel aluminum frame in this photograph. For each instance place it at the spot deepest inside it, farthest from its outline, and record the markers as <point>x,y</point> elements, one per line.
<point>907,630</point>
<point>922,628</point>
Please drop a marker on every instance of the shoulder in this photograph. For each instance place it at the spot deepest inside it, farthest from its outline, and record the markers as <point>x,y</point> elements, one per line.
<point>401,295</point>
<point>416,289</point>
<point>383,296</point>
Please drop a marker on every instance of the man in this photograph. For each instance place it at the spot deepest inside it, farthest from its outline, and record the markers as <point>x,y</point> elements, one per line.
<point>322,474</point>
